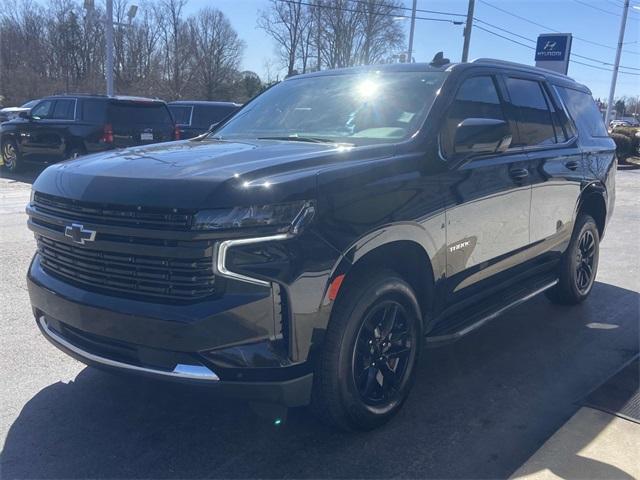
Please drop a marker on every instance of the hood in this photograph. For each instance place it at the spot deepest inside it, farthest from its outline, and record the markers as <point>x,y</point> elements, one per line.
<point>194,174</point>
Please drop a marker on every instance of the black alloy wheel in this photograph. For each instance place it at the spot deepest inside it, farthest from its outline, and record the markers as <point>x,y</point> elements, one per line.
<point>579,264</point>
<point>381,354</point>
<point>370,351</point>
<point>585,261</point>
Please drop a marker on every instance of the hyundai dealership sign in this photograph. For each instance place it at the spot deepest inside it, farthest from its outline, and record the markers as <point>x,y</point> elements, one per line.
<point>553,51</point>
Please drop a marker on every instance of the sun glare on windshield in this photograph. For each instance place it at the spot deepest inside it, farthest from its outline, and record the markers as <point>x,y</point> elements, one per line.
<point>367,89</point>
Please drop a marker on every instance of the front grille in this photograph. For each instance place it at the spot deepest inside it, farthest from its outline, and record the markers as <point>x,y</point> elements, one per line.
<point>163,279</point>
<point>119,215</point>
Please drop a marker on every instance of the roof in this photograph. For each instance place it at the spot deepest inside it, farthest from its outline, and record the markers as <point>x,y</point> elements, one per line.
<point>205,102</point>
<point>426,67</point>
<point>124,98</point>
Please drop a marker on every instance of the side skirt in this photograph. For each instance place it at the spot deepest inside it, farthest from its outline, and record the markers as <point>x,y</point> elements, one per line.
<point>460,324</point>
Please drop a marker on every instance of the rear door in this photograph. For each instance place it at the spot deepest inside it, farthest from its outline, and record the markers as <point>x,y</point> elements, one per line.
<point>139,122</point>
<point>488,199</point>
<point>549,138</point>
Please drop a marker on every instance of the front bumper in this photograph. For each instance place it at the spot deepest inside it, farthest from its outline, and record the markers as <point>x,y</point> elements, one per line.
<point>231,343</point>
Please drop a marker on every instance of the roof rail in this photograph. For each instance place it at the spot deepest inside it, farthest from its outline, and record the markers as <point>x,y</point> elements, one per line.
<point>518,65</point>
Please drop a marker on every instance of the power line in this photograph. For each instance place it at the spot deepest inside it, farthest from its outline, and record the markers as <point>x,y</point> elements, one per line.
<point>534,41</point>
<point>552,29</point>
<point>342,9</point>
<point>533,48</point>
<point>597,8</point>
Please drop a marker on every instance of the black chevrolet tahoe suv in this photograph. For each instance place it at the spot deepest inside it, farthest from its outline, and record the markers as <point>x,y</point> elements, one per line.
<point>306,250</point>
<point>66,126</point>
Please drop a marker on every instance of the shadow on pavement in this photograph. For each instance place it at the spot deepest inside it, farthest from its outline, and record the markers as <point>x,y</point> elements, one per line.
<point>479,409</point>
<point>27,174</point>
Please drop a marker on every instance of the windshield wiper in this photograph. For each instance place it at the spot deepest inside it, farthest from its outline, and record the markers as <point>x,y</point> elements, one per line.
<point>296,138</point>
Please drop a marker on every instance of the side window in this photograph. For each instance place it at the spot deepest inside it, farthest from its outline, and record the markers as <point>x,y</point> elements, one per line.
<point>64,110</point>
<point>584,111</point>
<point>42,110</point>
<point>535,125</point>
<point>93,111</point>
<point>559,125</point>
<point>477,97</point>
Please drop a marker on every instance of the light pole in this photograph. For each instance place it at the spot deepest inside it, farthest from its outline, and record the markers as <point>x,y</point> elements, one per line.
<point>614,77</point>
<point>108,36</point>
<point>411,30</point>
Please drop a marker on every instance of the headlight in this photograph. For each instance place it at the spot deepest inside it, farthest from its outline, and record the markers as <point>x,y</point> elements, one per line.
<point>278,217</point>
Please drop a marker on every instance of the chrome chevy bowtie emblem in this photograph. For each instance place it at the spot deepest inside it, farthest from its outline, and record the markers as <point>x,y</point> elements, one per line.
<point>78,234</point>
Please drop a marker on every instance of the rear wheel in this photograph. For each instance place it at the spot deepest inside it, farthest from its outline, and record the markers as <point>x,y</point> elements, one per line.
<point>579,264</point>
<point>370,353</point>
<point>75,153</point>
<point>10,157</point>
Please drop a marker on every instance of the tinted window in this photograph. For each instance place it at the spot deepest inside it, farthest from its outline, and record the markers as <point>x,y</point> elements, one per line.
<point>204,116</point>
<point>64,110</point>
<point>584,111</point>
<point>93,111</point>
<point>42,110</point>
<point>181,114</point>
<point>477,97</point>
<point>534,122</point>
<point>139,114</point>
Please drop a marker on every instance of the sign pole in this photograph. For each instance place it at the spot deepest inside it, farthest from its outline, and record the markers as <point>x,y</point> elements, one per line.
<point>614,77</point>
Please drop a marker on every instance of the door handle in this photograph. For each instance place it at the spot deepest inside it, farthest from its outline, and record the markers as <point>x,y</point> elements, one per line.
<point>572,164</point>
<point>519,173</point>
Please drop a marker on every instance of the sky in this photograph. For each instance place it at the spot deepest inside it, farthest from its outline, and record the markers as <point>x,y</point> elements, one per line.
<point>591,20</point>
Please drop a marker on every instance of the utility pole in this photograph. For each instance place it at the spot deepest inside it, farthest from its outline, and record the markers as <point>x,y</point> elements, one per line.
<point>411,30</point>
<point>614,77</point>
<point>467,31</point>
<point>108,28</point>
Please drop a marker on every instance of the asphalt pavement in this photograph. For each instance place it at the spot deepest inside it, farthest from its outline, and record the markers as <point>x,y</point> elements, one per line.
<point>479,409</point>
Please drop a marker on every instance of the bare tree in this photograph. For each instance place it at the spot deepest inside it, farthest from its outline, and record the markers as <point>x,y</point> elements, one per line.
<point>60,47</point>
<point>175,45</point>
<point>287,23</point>
<point>380,33</point>
<point>216,51</point>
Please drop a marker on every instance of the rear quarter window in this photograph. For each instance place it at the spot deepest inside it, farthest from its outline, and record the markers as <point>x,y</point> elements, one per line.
<point>139,114</point>
<point>93,111</point>
<point>584,111</point>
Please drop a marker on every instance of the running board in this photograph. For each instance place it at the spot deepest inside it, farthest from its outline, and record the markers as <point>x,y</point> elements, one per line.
<point>460,324</point>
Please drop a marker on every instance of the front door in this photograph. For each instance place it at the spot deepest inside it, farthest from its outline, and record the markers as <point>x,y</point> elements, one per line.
<point>487,200</point>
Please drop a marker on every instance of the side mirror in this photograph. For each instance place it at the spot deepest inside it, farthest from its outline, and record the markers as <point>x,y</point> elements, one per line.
<point>477,136</point>
<point>25,114</point>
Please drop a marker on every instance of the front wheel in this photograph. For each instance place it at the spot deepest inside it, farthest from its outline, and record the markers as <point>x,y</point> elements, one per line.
<point>10,157</point>
<point>370,353</point>
<point>579,264</point>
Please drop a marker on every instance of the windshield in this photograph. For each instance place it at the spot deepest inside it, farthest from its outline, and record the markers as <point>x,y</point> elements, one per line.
<point>361,109</point>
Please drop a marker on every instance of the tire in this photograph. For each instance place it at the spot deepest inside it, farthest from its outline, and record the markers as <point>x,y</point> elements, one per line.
<point>380,316</point>
<point>10,155</point>
<point>75,153</point>
<point>579,264</point>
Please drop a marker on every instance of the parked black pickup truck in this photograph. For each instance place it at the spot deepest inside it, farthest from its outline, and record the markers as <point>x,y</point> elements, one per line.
<point>305,251</point>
